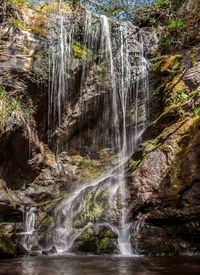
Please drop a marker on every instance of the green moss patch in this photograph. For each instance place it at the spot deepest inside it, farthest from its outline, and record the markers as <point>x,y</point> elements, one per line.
<point>79,51</point>
<point>9,248</point>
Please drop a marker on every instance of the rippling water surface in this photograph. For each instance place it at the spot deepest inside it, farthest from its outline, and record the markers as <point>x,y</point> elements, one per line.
<point>99,265</point>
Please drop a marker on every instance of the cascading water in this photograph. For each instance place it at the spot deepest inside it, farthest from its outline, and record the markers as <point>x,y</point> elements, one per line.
<point>125,72</point>
<point>28,238</point>
<point>59,64</point>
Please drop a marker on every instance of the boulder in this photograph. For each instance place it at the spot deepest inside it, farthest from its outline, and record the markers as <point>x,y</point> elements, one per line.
<point>99,240</point>
<point>9,248</point>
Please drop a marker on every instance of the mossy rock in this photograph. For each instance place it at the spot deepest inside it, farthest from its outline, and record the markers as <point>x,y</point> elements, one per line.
<point>79,51</point>
<point>9,249</point>
<point>107,240</point>
<point>87,242</point>
<point>102,242</point>
<point>107,245</point>
<point>135,159</point>
<point>46,224</point>
<point>138,155</point>
<point>93,210</point>
<point>54,7</point>
<point>35,248</point>
<point>105,232</point>
<point>167,64</point>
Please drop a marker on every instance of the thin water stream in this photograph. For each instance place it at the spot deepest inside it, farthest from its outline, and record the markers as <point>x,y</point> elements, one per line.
<point>27,237</point>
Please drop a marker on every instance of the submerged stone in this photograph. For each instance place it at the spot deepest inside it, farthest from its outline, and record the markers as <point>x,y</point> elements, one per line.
<point>53,250</point>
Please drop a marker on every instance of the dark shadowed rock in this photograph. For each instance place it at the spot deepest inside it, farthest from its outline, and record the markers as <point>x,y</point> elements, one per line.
<point>53,250</point>
<point>9,249</point>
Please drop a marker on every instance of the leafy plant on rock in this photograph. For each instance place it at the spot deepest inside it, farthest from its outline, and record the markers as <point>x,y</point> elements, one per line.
<point>181,96</point>
<point>160,3</point>
<point>18,4</point>
<point>14,22</point>
<point>196,111</point>
<point>6,107</point>
<point>176,24</point>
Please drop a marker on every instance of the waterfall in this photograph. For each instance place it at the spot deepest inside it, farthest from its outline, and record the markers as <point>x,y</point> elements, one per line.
<point>28,239</point>
<point>125,72</point>
<point>59,65</point>
<point>29,221</point>
<point>119,103</point>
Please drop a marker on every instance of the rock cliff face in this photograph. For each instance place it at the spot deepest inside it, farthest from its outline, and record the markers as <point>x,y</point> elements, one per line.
<point>163,174</point>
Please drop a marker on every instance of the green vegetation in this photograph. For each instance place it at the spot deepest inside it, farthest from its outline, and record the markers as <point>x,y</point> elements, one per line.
<point>196,111</point>
<point>160,89</point>
<point>40,75</point>
<point>103,241</point>
<point>87,241</point>
<point>74,4</point>
<point>173,28</point>
<point>14,22</point>
<point>160,3</point>
<point>14,105</point>
<point>87,169</point>
<point>6,106</point>
<point>93,209</point>
<point>104,154</point>
<point>167,65</point>
<point>79,51</point>
<point>18,4</point>
<point>3,107</point>
<point>102,72</point>
<point>2,93</point>
<point>139,154</point>
<point>195,92</point>
<point>107,245</point>
<point>9,248</point>
<point>46,223</point>
<point>167,41</point>
<point>176,24</point>
<point>180,96</point>
<point>132,165</point>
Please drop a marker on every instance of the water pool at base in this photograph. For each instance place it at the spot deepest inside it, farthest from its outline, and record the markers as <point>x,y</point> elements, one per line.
<point>99,265</point>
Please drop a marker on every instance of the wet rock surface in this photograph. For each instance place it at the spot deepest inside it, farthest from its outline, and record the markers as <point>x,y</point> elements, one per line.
<point>53,250</point>
<point>163,174</point>
<point>9,248</point>
<point>101,240</point>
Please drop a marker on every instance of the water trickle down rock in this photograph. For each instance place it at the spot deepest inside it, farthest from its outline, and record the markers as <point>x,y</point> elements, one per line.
<point>29,239</point>
<point>114,81</point>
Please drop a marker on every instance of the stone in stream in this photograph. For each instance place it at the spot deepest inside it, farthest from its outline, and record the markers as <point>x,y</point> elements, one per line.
<point>53,250</point>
